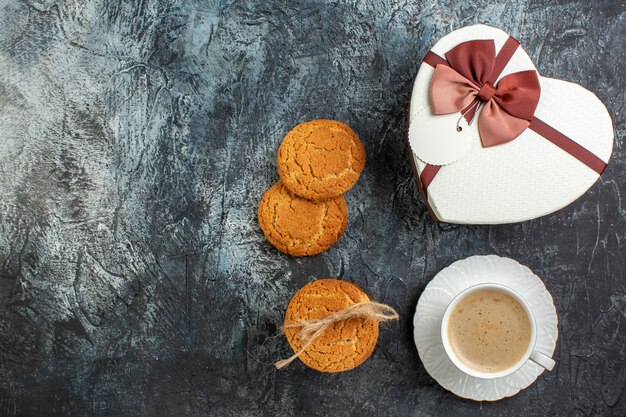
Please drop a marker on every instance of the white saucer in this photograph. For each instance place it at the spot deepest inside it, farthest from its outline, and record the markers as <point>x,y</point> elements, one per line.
<point>441,290</point>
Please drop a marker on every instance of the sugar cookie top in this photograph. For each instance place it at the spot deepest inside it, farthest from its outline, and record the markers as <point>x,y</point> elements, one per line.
<point>300,227</point>
<point>344,345</point>
<point>320,159</point>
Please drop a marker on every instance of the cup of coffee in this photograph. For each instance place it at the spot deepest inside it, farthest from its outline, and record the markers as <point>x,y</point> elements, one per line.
<point>488,331</point>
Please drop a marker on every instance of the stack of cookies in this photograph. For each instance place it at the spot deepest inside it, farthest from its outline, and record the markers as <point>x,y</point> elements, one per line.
<point>305,213</point>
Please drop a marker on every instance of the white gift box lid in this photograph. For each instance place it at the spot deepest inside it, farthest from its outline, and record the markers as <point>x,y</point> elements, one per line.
<point>520,180</point>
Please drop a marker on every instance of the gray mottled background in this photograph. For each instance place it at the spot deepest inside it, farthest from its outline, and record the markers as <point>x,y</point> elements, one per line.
<point>136,139</point>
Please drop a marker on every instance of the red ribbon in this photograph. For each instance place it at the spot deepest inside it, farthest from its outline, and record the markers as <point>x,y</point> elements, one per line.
<point>469,76</point>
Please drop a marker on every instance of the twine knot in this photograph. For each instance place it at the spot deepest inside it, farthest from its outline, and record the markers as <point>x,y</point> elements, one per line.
<point>312,329</point>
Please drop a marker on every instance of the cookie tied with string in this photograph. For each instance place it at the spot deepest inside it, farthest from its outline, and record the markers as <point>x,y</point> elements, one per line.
<point>332,325</point>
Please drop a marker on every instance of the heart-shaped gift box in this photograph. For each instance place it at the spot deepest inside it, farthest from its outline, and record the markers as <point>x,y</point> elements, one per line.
<point>506,144</point>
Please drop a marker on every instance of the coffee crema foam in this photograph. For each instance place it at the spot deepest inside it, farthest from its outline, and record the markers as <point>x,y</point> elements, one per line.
<point>489,331</point>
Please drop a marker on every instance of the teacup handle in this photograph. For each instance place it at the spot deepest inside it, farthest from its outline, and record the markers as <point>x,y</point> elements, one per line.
<point>542,360</point>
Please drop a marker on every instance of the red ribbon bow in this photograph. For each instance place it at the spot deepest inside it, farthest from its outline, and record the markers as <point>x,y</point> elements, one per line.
<point>509,106</point>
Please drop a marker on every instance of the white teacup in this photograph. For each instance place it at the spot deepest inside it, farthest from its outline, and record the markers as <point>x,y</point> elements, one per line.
<point>531,354</point>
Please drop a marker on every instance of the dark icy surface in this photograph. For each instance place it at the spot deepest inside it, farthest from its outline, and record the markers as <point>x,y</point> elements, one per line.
<point>136,139</point>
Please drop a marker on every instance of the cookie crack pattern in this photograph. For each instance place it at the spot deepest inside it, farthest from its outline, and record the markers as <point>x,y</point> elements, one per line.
<point>349,297</point>
<point>348,170</point>
<point>310,310</point>
<point>296,241</point>
<point>293,241</point>
<point>321,224</point>
<point>275,215</point>
<point>321,229</point>
<point>306,164</point>
<point>342,341</point>
<point>296,150</point>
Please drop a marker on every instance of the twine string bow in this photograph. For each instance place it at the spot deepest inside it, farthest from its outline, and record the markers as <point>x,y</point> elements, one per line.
<point>312,329</point>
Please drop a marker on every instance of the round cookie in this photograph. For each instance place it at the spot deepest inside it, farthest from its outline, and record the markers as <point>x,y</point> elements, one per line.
<point>344,345</point>
<point>300,227</point>
<point>320,159</point>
